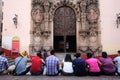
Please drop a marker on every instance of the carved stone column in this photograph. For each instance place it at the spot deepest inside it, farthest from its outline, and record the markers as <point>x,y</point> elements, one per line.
<point>37,28</point>
<point>83,14</point>
<point>93,26</point>
<point>89,33</point>
<point>47,31</point>
<point>83,33</point>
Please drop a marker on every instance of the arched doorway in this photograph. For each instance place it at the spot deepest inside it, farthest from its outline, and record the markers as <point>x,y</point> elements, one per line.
<point>65,30</point>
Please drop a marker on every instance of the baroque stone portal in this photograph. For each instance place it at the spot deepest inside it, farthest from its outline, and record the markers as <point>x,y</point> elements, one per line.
<point>84,31</point>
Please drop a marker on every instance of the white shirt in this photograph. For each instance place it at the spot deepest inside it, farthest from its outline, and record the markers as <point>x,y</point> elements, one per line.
<point>67,67</point>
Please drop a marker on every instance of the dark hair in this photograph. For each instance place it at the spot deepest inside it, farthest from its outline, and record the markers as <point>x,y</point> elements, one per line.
<point>52,52</point>
<point>68,58</point>
<point>44,50</point>
<point>119,51</point>
<point>104,54</point>
<point>89,55</point>
<point>77,55</point>
<point>39,54</point>
<point>39,51</point>
<point>1,52</point>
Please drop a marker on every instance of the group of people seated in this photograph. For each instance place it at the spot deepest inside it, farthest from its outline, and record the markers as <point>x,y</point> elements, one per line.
<point>51,66</point>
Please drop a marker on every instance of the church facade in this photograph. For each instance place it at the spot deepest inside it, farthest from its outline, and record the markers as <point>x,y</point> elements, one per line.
<point>63,25</point>
<point>66,26</point>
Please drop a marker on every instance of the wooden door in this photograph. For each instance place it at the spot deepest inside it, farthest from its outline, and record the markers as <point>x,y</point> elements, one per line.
<point>65,30</point>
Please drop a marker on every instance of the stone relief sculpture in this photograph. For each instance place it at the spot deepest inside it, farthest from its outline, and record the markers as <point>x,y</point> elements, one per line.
<point>40,19</point>
<point>92,13</point>
<point>93,20</point>
<point>93,37</point>
<point>37,15</point>
<point>90,26</point>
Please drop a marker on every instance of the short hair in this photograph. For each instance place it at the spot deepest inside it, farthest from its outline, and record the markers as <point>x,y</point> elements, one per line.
<point>1,52</point>
<point>104,54</point>
<point>119,51</point>
<point>77,55</point>
<point>39,54</point>
<point>39,51</point>
<point>52,52</point>
<point>89,55</point>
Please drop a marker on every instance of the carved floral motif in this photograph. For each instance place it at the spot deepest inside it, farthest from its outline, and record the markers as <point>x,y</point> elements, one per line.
<point>93,37</point>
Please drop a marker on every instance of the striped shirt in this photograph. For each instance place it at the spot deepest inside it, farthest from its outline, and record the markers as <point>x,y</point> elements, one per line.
<point>3,63</point>
<point>51,65</point>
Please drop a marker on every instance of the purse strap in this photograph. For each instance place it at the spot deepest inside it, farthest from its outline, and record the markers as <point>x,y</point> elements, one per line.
<point>18,63</point>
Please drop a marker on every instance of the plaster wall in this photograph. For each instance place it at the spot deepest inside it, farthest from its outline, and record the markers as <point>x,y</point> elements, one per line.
<point>22,8</point>
<point>110,37</point>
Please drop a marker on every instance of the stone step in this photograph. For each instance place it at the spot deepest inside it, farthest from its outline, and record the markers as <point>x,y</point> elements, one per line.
<point>10,61</point>
<point>61,56</point>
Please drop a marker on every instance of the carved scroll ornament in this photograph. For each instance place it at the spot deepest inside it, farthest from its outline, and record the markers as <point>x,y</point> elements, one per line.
<point>93,36</point>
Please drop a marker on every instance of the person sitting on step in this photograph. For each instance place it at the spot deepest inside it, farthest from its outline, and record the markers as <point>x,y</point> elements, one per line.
<point>21,64</point>
<point>67,66</point>
<point>79,65</point>
<point>93,65</point>
<point>37,64</point>
<point>52,64</point>
<point>3,64</point>
<point>108,67</point>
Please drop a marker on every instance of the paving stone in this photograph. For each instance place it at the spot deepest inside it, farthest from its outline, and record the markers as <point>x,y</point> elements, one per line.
<point>10,77</point>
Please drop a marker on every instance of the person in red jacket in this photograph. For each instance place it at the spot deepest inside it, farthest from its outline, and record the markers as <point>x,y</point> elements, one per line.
<point>37,63</point>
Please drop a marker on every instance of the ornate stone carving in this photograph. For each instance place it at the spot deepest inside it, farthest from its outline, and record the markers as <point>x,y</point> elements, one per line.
<point>83,6</point>
<point>89,31</point>
<point>93,37</point>
<point>40,14</point>
<point>37,14</point>
<point>92,13</point>
<point>96,50</point>
<point>92,2</point>
<point>83,49</point>
<point>83,34</point>
<point>40,19</point>
<point>47,6</point>
<point>86,23</point>
<point>37,11</point>
<point>68,3</point>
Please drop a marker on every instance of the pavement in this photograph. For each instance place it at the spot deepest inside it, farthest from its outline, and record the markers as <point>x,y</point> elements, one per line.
<point>42,77</point>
